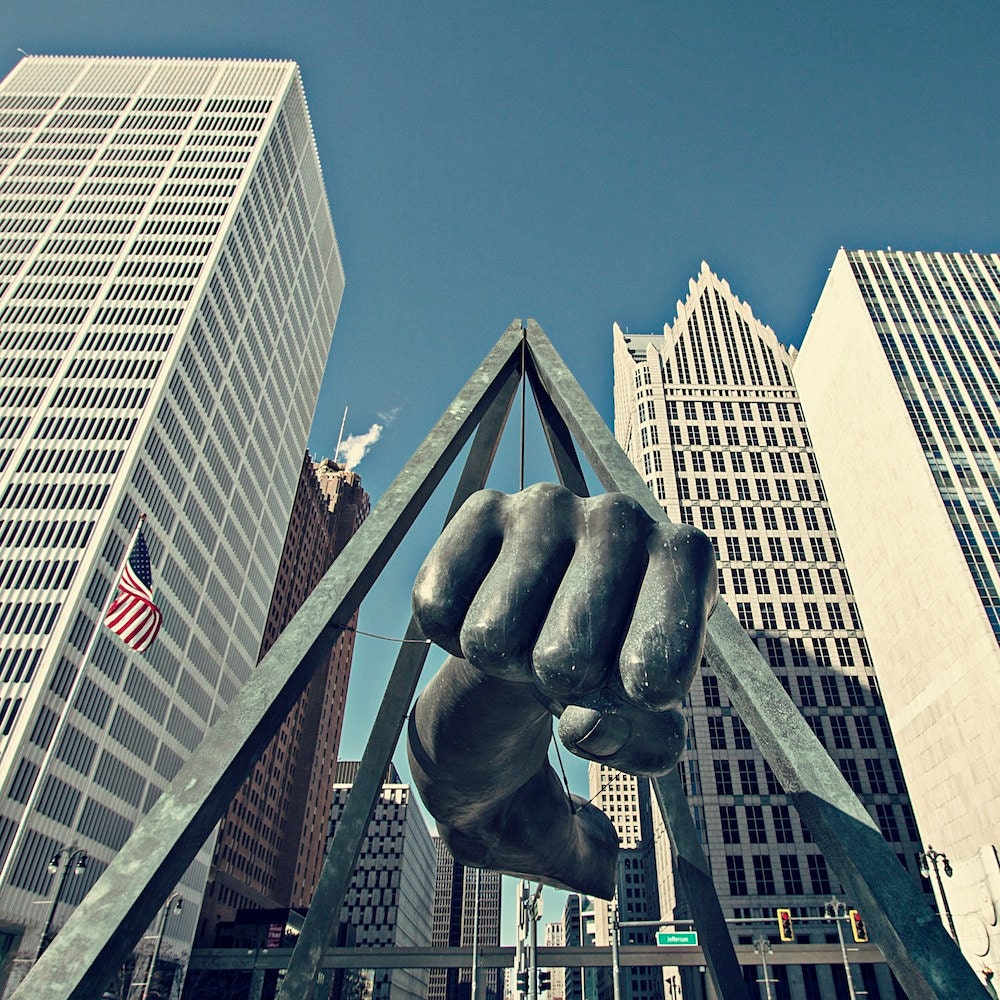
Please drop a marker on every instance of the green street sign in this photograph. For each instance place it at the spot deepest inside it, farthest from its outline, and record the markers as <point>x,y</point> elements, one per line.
<point>668,939</point>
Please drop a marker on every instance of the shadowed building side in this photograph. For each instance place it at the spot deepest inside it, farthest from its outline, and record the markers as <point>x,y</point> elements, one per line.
<point>709,413</point>
<point>272,840</point>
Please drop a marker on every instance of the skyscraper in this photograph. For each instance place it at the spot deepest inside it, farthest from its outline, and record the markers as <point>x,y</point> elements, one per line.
<point>900,377</point>
<point>466,909</point>
<point>169,283</point>
<point>709,413</point>
<point>272,840</point>
<point>390,898</point>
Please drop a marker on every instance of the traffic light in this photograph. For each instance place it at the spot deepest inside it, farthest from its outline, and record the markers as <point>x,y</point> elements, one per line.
<point>785,931</point>
<point>858,928</point>
<point>522,981</point>
<point>544,981</point>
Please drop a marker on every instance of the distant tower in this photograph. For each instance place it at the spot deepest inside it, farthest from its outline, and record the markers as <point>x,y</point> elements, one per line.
<point>555,937</point>
<point>455,901</point>
<point>272,840</point>
<point>900,377</point>
<point>709,413</point>
<point>169,283</point>
<point>626,801</point>
<point>391,896</point>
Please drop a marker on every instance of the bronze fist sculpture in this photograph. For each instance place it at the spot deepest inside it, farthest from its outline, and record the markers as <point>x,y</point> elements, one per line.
<point>552,604</point>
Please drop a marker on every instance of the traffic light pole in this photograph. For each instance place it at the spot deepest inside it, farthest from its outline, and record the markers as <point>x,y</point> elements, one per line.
<point>834,908</point>
<point>533,901</point>
<point>616,973</point>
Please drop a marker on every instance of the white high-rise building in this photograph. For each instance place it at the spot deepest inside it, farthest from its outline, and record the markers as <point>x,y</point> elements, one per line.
<point>900,378</point>
<point>169,284</point>
<point>709,413</point>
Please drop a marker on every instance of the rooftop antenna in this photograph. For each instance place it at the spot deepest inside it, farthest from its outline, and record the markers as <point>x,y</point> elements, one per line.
<point>340,437</point>
<point>23,53</point>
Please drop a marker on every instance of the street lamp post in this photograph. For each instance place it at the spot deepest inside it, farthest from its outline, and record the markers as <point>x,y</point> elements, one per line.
<point>66,856</point>
<point>836,910</point>
<point>932,856</point>
<point>164,913</point>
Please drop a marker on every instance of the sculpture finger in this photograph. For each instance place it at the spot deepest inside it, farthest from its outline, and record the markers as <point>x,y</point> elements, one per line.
<point>504,618</point>
<point>456,566</point>
<point>610,730</point>
<point>580,640</point>
<point>666,636</point>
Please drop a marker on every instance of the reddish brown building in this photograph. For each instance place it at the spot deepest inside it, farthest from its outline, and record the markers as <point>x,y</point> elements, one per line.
<point>270,847</point>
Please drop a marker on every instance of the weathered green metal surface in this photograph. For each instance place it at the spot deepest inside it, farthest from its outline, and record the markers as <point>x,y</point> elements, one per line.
<point>924,958</point>
<point>338,866</point>
<point>104,928</point>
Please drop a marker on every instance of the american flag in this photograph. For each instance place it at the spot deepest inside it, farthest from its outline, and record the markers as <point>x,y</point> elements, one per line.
<point>132,614</point>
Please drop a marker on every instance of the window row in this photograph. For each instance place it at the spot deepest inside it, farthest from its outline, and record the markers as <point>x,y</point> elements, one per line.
<point>723,489</point>
<point>778,579</point>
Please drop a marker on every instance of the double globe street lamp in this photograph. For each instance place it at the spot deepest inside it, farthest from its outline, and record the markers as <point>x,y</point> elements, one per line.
<point>69,858</point>
<point>929,859</point>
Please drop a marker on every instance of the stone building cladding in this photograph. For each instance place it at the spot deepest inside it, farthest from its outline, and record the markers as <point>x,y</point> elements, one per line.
<point>271,843</point>
<point>709,413</point>
<point>900,377</point>
<point>453,921</point>
<point>391,895</point>
<point>555,938</point>
<point>169,284</point>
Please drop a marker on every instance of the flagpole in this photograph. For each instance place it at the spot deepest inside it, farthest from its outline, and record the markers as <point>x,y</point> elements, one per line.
<point>36,788</point>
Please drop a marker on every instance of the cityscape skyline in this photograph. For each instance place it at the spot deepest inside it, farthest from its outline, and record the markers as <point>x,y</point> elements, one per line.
<point>923,181</point>
<point>641,142</point>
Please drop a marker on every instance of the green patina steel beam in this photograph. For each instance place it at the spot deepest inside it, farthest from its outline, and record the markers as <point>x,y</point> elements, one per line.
<point>97,937</point>
<point>342,857</point>
<point>923,957</point>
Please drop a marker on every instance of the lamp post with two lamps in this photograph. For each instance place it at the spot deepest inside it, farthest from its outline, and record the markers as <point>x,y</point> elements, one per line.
<point>69,858</point>
<point>177,900</point>
<point>929,859</point>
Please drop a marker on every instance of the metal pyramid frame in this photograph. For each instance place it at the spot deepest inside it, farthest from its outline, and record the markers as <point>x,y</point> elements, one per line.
<point>118,909</point>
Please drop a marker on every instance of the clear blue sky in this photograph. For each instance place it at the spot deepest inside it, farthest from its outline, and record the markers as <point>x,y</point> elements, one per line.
<point>575,162</point>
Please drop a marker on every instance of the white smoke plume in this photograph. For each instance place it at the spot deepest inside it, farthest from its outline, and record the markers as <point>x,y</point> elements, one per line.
<point>354,447</point>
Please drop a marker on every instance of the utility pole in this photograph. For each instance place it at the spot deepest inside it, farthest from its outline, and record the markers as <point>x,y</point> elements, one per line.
<point>836,911</point>
<point>534,911</point>
<point>615,958</point>
<point>762,947</point>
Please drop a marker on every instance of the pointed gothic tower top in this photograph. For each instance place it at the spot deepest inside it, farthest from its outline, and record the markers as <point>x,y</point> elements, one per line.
<point>715,340</point>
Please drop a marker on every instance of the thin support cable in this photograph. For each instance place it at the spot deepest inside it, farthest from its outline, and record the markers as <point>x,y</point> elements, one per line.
<point>524,381</point>
<point>375,635</point>
<point>569,795</point>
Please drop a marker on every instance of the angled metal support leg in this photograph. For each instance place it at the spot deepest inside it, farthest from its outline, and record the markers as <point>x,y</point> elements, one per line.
<point>97,937</point>
<point>691,865</point>
<point>695,876</point>
<point>338,866</point>
<point>923,957</point>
